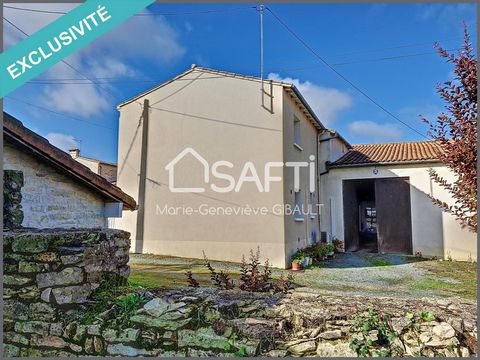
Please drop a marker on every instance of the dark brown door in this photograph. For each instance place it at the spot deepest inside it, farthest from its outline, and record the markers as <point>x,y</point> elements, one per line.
<point>350,215</point>
<point>394,221</point>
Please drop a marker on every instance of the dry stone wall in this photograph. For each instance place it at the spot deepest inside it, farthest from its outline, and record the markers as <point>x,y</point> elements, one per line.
<point>48,272</point>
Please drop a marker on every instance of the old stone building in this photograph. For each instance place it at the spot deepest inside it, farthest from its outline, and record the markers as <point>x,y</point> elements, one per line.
<point>46,188</point>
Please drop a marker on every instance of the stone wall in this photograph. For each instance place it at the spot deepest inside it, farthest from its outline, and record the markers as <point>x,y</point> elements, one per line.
<point>50,198</point>
<point>49,272</point>
<point>12,199</point>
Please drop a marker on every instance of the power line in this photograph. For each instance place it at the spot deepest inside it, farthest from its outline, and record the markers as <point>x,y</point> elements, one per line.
<point>376,103</point>
<point>58,113</point>
<point>67,63</point>
<point>390,58</point>
<point>78,81</point>
<point>200,12</point>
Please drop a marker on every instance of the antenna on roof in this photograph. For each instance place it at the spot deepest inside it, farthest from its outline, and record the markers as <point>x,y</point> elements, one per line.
<point>260,9</point>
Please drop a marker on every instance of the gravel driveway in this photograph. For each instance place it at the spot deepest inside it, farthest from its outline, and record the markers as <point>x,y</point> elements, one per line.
<point>346,274</point>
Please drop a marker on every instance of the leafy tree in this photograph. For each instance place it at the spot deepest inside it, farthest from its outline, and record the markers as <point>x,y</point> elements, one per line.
<point>456,133</point>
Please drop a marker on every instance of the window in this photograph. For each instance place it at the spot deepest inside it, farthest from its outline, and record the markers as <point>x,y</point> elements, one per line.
<point>296,133</point>
<point>297,211</point>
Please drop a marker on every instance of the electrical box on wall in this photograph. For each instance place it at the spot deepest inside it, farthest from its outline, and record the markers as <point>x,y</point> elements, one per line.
<point>113,210</point>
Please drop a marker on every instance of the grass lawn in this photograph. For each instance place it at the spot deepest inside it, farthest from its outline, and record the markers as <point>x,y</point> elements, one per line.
<point>348,274</point>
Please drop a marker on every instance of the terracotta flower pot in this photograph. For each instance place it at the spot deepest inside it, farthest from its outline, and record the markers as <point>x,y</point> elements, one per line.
<point>296,267</point>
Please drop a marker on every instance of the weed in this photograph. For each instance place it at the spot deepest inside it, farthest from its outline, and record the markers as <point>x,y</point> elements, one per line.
<point>427,316</point>
<point>222,279</point>
<point>362,340</point>
<point>241,352</point>
<point>191,281</point>
<point>253,277</point>
<point>130,302</point>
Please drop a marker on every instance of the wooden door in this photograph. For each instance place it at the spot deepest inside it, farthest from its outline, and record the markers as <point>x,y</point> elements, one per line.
<point>350,215</point>
<point>394,221</point>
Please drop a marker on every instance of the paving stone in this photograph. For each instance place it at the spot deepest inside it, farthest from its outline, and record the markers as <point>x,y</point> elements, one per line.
<point>331,335</point>
<point>125,350</point>
<point>326,349</point>
<point>444,331</point>
<point>303,347</point>
<point>204,338</point>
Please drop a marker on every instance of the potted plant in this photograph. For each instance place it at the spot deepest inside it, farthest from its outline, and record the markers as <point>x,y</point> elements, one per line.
<point>330,248</point>
<point>297,264</point>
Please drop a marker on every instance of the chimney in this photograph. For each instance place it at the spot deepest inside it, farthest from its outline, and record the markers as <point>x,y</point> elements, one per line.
<point>74,153</point>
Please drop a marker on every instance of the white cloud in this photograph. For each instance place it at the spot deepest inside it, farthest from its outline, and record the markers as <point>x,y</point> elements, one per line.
<point>326,102</point>
<point>149,38</point>
<point>84,100</point>
<point>375,132</point>
<point>448,14</point>
<point>143,39</point>
<point>62,141</point>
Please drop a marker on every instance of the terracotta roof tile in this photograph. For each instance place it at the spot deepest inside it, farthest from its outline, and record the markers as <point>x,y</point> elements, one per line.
<point>404,152</point>
<point>14,130</point>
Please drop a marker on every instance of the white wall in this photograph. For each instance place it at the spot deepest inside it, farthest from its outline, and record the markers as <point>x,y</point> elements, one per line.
<point>299,228</point>
<point>51,199</point>
<point>434,232</point>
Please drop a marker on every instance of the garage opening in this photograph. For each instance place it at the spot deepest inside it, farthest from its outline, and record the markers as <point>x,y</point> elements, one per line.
<point>377,215</point>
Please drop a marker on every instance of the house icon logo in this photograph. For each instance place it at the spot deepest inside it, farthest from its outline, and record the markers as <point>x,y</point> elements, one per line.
<point>170,167</point>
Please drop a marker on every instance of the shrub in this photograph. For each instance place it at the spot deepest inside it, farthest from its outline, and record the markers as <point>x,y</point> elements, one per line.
<point>254,277</point>
<point>317,251</point>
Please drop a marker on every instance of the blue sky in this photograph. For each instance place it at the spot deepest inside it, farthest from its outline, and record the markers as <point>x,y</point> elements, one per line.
<point>146,50</point>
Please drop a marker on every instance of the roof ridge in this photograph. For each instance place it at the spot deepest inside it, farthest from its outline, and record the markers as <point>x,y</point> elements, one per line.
<point>396,142</point>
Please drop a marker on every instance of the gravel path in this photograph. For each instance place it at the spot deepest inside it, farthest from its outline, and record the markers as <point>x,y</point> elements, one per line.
<point>347,274</point>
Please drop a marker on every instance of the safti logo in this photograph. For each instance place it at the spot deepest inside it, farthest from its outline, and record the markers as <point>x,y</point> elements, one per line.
<point>249,174</point>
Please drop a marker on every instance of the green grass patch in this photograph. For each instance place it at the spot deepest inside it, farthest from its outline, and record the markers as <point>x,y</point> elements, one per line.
<point>463,274</point>
<point>432,284</point>
<point>378,261</point>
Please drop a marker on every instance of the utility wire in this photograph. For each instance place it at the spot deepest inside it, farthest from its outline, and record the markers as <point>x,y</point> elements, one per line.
<point>57,113</point>
<point>68,64</point>
<point>115,80</point>
<point>200,12</point>
<point>308,47</point>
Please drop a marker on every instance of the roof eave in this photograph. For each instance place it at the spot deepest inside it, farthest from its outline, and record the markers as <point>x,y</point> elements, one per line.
<point>318,124</point>
<point>18,134</point>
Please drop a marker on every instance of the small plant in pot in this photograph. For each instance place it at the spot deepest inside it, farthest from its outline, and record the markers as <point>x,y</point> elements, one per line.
<point>330,249</point>
<point>297,264</point>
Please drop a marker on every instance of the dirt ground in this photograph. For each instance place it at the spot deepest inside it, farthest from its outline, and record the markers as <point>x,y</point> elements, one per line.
<point>347,274</point>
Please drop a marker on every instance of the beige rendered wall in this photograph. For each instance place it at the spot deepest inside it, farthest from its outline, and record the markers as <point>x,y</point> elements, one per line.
<point>298,233</point>
<point>434,232</point>
<point>91,164</point>
<point>220,118</point>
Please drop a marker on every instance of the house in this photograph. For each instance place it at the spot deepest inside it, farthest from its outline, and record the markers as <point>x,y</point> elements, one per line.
<point>218,115</point>
<point>102,168</point>
<point>223,163</point>
<point>386,189</point>
<point>45,188</point>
